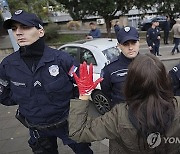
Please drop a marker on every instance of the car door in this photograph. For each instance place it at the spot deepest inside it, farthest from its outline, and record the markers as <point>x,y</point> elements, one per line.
<point>73,51</point>
<point>87,56</point>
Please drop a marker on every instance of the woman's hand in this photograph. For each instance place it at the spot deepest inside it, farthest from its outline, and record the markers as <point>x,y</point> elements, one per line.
<point>85,80</point>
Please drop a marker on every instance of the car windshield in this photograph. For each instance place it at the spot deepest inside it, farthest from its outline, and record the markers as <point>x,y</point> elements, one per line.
<point>111,54</point>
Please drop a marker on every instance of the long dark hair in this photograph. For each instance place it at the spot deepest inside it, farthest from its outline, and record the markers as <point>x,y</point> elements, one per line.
<point>149,95</point>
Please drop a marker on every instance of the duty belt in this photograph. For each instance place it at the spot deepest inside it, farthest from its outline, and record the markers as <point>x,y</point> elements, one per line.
<point>47,127</point>
<point>23,120</point>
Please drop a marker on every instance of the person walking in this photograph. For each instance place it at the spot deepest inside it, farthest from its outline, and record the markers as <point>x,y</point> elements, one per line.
<point>115,73</point>
<point>166,30</point>
<point>153,37</point>
<point>39,80</point>
<point>176,36</point>
<point>144,123</point>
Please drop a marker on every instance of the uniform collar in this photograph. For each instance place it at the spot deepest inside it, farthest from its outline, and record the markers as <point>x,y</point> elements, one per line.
<point>123,58</point>
<point>46,57</point>
<point>16,59</point>
<point>34,50</point>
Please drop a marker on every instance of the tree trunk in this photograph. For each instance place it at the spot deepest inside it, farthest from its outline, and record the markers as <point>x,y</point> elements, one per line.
<point>108,27</point>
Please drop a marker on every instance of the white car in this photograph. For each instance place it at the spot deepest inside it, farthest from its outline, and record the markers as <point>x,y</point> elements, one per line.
<point>99,52</point>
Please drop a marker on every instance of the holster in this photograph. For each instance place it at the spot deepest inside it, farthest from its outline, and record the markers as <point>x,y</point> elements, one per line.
<point>21,118</point>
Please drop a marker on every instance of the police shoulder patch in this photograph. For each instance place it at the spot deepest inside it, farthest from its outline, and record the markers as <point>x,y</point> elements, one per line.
<point>18,12</point>
<point>127,29</point>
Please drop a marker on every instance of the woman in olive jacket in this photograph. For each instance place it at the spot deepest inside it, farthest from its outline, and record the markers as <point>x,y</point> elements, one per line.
<point>149,121</point>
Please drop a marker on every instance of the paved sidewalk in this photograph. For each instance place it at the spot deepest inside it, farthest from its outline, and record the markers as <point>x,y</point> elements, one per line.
<point>13,136</point>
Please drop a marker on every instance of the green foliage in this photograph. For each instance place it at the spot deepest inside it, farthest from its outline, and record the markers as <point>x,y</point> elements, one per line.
<point>78,9</point>
<point>73,25</point>
<point>166,7</point>
<point>51,31</point>
<point>53,37</point>
<point>38,7</point>
<point>64,38</point>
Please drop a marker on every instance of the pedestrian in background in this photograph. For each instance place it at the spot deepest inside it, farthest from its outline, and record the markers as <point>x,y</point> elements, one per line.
<point>166,30</point>
<point>150,115</point>
<point>176,36</point>
<point>39,80</point>
<point>153,37</point>
<point>116,27</point>
<point>94,32</point>
<point>115,73</point>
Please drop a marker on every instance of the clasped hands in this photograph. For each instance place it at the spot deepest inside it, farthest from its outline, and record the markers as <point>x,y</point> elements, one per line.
<point>85,80</point>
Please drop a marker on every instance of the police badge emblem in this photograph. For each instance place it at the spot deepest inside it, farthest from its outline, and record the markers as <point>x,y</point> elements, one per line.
<point>54,70</point>
<point>127,29</point>
<point>18,12</point>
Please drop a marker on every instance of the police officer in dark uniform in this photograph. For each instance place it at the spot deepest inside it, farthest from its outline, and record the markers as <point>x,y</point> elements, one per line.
<point>115,73</point>
<point>166,27</point>
<point>175,76</point>
<point>39,79</point>
<point>153,37</point>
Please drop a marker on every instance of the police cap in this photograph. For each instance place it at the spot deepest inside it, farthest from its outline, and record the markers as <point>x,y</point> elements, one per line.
<point>154,20</point>
<point>23,17</point>
<point>127,33</point>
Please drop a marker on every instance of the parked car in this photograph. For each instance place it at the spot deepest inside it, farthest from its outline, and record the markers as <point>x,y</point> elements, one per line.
<point>99,52</point>
<point>146,23</point>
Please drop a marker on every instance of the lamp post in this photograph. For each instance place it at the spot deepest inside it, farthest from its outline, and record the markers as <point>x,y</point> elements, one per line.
<point>5,13</point>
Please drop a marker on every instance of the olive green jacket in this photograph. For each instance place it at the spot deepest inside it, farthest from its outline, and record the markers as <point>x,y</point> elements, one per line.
<point>115,124</point>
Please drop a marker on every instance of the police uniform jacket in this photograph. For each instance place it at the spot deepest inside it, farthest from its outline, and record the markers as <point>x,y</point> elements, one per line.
<point>43,95</point>
<point>115,124</point>
<point>175,76</point>
<point>152,36</point>
<point>114,76</point>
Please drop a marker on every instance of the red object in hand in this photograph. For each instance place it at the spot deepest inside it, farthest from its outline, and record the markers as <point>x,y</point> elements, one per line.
<point>85,80</point>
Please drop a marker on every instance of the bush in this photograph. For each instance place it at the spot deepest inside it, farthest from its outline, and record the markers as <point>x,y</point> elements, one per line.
<point>73,25</point>
<point>51,32</point>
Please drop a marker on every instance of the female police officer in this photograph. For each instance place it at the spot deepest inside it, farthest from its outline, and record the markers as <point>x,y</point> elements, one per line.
<point>38,79</point>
